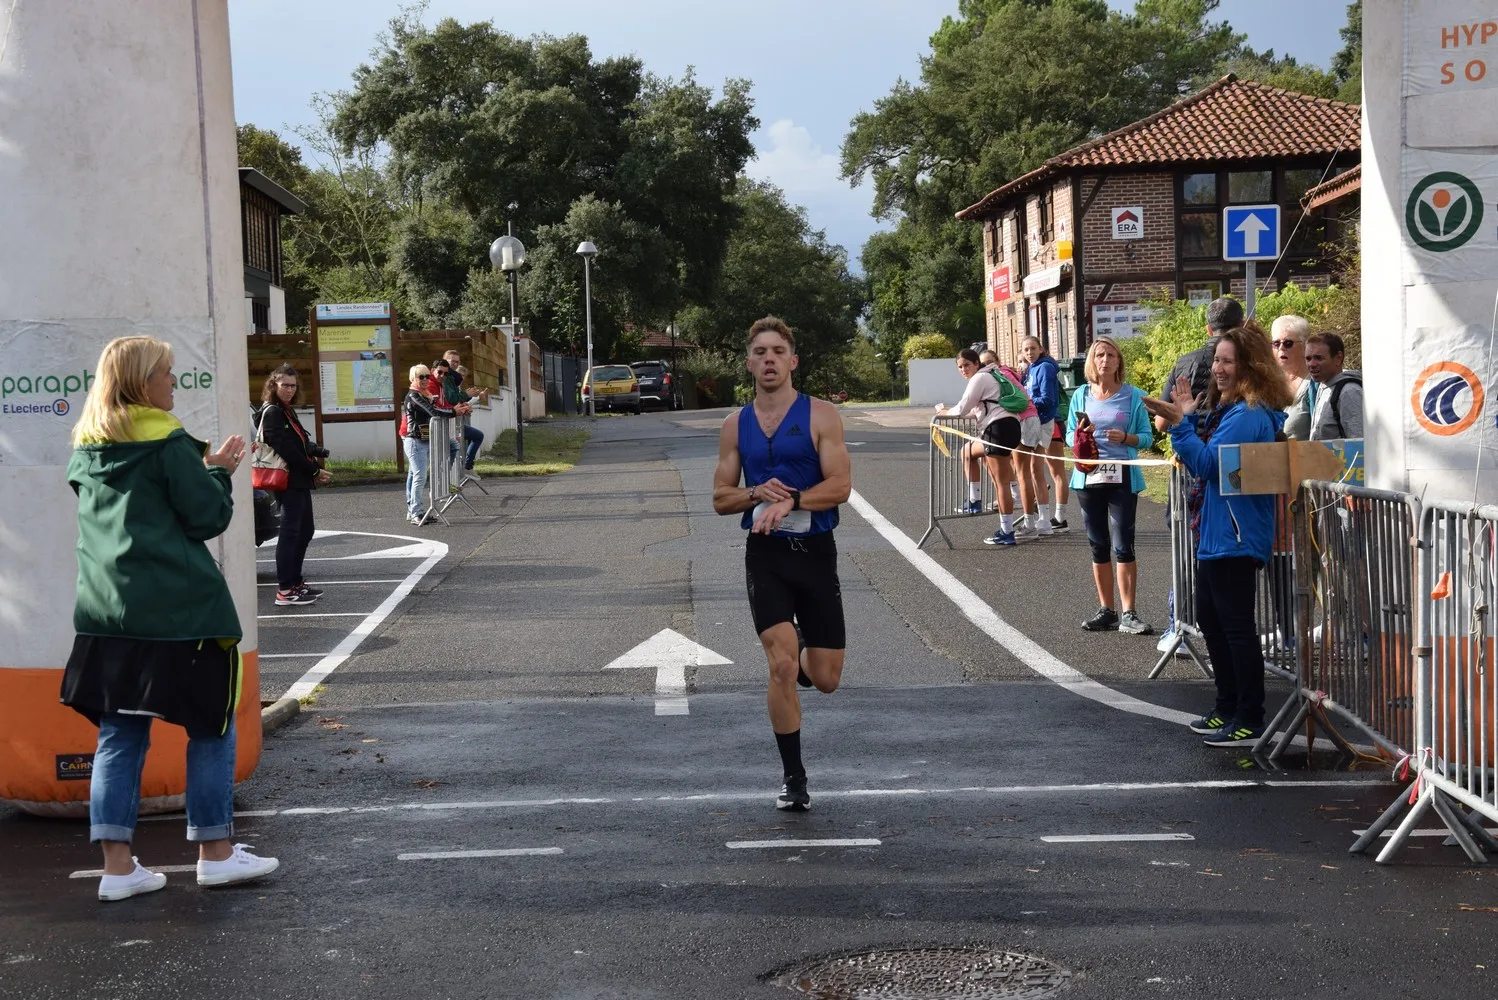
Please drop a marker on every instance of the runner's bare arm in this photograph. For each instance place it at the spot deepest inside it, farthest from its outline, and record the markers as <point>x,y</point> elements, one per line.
<point>832,448</point>
<point>728,496</point>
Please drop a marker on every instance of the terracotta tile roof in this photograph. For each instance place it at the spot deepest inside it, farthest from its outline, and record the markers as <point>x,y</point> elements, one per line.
<point>1230,120</point>
<point>1346,183</point>
<point>658,338</point>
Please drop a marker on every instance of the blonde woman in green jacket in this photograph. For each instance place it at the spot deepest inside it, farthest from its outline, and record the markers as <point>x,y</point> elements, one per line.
<point>157,633</point>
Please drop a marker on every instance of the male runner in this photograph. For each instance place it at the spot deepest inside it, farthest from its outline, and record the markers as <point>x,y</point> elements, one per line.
<point>788,450</point>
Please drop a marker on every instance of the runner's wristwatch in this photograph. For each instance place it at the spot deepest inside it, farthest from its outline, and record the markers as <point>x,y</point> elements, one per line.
<point>795,499</point>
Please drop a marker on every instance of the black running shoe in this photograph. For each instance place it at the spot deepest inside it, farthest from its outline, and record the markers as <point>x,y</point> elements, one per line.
<point>793,795</point>
<point>1208,724</point>
<point>1106,620</point>
<point>310,591</point>
<point>801,677</point>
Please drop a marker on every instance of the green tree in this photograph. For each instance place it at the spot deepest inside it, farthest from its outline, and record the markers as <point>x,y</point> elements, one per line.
<point>777,263</point>
<point>481,120</point>
<point>1347,64</point>
<point>998,96</point>
<point>1278,71</point>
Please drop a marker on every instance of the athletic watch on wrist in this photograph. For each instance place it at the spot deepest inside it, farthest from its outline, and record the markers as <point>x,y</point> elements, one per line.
<point>752,497</point>
<point>795,499</point>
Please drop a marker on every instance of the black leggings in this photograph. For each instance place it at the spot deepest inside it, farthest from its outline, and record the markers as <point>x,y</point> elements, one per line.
<point>295,536</point>
<point>1225,613</point>
<point>1108,514</point>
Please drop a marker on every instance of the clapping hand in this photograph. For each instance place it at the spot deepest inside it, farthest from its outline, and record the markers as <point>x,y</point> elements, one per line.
<point>229,454</point>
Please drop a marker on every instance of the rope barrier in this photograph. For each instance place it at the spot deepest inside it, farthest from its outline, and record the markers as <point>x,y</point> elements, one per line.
<point>937,431</point>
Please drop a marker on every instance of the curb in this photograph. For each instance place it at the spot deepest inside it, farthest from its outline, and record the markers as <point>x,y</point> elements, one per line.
<point>278,713</point>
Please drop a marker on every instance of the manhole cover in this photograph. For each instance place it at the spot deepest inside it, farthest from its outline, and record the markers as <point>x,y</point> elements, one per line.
<point>969,973</point>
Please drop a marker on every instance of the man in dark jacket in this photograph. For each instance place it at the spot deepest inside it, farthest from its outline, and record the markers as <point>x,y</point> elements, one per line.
<point>1223,314</point>
<point>453,395</point>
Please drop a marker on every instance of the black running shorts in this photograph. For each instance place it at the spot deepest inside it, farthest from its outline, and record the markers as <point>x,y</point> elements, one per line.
<point>1002,436</point>
<point>796,577</point>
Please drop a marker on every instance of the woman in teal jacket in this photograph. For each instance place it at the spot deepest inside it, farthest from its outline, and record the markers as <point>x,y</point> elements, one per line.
<point>157,633</point>
<point>1109,495</point>
<point>1244,404</point>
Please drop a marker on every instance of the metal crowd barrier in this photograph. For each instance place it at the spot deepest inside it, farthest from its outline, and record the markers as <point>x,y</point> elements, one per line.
<point>1455,694</point>
<point>446,477</point>
<point>1353,618</point>
<point>948,479</point>
<point>1182,580</point>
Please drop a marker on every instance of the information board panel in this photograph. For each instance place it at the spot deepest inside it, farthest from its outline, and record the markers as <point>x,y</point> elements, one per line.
<point>354,369</point>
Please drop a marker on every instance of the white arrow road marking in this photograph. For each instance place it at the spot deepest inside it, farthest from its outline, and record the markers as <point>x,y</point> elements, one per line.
<point>670,653</point>
<point>1251,227</point>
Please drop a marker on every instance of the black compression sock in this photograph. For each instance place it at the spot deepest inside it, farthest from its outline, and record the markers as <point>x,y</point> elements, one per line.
<point>790,753</point>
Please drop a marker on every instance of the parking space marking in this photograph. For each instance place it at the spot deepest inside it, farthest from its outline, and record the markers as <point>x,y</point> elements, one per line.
<point>1113,838</point>
<point>752,845</point>
<point>509,852</point>
<point>429,551</point>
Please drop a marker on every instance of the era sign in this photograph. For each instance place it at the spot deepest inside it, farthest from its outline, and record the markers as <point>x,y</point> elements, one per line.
<point>1128,223</point>
<point>998,284</point>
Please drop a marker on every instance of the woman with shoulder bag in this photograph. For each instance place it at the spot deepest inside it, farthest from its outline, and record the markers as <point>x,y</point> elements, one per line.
<point>417,412</point>
<point>283,433</point>
<point>1244,404</point>
<point>157,632</point>
<point>1114,413</point>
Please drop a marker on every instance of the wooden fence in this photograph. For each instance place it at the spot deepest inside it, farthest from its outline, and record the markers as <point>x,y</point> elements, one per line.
<point>483,352</point>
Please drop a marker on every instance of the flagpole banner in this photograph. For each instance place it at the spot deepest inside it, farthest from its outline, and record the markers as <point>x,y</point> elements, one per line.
<point>1449,413</point>
<point>48,367</point>
<point>1451,47</point>
<point>1450,203</point>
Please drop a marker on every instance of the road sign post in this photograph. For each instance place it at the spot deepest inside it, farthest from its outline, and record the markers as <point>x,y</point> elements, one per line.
<point>1250,233</point>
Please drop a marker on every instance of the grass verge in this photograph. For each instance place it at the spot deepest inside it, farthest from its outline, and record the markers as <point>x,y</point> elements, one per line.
<point>549,448</point>
<point>1156,479</point>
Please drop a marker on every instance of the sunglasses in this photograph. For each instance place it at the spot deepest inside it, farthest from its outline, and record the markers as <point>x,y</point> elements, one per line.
<point>1277,344</point>
<point>285,385</point>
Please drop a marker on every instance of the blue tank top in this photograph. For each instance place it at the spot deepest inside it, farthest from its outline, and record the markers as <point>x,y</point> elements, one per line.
<point>787,455</point>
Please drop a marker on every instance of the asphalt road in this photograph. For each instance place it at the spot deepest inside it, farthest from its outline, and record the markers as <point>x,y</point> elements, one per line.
<point>604,845</point>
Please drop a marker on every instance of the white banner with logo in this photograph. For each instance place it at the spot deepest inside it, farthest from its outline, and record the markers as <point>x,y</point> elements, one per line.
<point>1448,413</point>
<point>1450,203</point>
<point>49,366</point>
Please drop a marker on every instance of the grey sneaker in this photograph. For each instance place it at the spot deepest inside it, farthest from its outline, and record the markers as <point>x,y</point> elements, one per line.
<point>1133,624</point>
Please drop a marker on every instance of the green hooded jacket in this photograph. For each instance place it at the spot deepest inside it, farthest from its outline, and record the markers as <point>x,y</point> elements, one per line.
<point>146,508</point>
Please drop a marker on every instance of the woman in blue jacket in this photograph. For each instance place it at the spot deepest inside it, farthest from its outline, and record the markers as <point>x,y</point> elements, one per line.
<point>1244,404</point>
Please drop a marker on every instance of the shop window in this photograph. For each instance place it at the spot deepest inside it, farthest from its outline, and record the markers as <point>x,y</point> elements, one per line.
<point>1197,236</point>
<point>1251,187</point>
<point>1199,189</point>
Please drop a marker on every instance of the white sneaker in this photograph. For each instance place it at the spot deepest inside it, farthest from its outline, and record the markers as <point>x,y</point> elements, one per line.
<point>1043,527</point>
<point>138,882</point>
<point>1025,532</point>
<point>241,866</point>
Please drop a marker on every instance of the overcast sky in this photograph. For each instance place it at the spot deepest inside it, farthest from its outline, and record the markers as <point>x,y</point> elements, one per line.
<point>814,63</point>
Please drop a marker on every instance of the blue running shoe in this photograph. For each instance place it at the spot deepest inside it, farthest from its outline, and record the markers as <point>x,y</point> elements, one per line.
<point>1001,538</point>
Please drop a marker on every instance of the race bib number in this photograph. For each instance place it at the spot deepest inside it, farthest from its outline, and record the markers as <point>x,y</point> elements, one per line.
<point>1108,474</point>
<point>797,522</point>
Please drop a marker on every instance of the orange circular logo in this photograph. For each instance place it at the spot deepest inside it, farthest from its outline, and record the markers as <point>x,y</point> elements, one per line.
<point>1447,398</point>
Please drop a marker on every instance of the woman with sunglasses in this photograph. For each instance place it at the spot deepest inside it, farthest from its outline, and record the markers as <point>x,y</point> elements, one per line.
<point>1288,338</point>
<point>285,435</point>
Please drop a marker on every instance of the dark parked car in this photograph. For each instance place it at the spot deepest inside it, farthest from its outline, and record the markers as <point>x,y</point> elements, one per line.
<point>657,385</point>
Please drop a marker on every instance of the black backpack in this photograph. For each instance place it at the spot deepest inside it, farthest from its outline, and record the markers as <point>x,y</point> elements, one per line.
<point>1353,378</point>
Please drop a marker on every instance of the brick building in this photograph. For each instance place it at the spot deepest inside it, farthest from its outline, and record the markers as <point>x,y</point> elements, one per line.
<point>1073,247</point>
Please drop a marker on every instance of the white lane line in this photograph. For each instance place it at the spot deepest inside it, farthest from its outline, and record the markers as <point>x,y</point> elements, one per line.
<point>750,845</point>
<point>1114,838</point>
<point>160,869</point>
<point>672,706</point>
<point>512,852</point>
<point>334,583</point>
<point>287,616</point>
<point>1240,784</point>
<point>1024,649</point>
<point>324,667</point>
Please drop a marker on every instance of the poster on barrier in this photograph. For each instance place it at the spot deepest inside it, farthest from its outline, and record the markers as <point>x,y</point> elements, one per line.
<point>1447,376</point>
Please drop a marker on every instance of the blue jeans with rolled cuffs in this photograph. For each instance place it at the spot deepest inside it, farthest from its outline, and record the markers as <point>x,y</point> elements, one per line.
<point>417,453</point>
<point>114,790</point>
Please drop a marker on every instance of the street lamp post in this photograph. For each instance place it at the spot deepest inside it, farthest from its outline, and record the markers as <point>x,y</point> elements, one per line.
<point>508,255</point>
<point>587,251</point>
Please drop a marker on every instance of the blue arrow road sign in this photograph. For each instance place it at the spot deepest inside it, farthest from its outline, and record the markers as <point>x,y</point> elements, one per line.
<point>1251,232</point>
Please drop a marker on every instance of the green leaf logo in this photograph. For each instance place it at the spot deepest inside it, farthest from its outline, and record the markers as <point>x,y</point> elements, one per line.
<point>1444,211</point>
